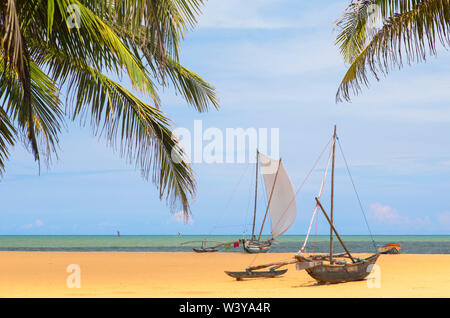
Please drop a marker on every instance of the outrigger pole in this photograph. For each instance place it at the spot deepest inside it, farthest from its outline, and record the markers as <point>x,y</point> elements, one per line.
<point>334,230</point>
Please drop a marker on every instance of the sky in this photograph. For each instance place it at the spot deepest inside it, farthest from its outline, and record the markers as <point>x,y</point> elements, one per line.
<point>274,65</point>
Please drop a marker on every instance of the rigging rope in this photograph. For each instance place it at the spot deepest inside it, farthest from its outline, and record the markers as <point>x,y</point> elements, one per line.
<point>304,181</point>
<point>301,185</point>
<point>315,208</point>
<point>230,199</point>
<point>356,192</point>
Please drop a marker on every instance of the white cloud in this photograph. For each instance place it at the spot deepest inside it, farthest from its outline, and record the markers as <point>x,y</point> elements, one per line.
<point>36,224</point>
<point>266,14</point>
<point>388,215</point>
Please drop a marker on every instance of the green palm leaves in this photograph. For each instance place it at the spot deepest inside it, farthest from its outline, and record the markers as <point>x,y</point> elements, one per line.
<point>77,47</point>
<point>409,32</point>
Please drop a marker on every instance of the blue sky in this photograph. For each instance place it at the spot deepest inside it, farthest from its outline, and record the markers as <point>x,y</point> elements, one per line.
<point>274,66</point>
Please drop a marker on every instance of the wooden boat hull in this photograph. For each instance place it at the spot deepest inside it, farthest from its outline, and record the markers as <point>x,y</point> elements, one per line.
<point>326,273</point>
<point>256,247</point>
<point>256,274</point>
<point>391,248</point>
<point>204,250</point>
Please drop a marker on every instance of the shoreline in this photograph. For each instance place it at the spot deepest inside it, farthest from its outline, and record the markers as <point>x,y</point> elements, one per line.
<point>192,252</point>
<point>193,275</point>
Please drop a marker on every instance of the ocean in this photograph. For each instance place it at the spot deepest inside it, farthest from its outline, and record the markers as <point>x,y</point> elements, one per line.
<point>412,244</point>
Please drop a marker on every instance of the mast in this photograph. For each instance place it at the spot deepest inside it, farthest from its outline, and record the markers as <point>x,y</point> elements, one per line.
<point>270,198</point>
<point>256,194</point>
<point>332,197</point>
<point>334,230</point>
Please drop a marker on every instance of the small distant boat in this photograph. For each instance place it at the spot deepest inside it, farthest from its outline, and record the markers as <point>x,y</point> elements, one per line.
<point>209,249</point>
<point>205,250</point>
<point>282,205</point>
<point>390,248</point>
<point>253,246</point>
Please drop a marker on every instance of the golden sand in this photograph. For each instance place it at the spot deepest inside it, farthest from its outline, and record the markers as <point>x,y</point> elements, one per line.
<point>124,274</point>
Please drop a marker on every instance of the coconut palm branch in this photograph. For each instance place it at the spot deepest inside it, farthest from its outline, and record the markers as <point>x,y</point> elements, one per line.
<point>45,108</point>
<point>410,32</point>
<point>82,48</point>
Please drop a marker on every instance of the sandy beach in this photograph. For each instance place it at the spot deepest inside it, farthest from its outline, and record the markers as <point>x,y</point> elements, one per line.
<point>124,274</point>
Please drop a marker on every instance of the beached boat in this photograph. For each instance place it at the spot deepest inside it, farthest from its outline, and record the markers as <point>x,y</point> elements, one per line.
<point>390,248</point>
<point>259,274</point>
<point>281,206</point>
<point>335,268</point>
<point>331,268</point>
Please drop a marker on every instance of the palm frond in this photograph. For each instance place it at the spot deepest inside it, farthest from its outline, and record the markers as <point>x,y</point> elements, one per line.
<point>352,29</point>
<point>7,138</point>
<point>408,37</point>
<point>354,25</point>
<point>136,38</point>
<point>195,90</point>
<point>141,133</point>
<point>164,21</point>
<point>45,108</point>
<point>15,56</point>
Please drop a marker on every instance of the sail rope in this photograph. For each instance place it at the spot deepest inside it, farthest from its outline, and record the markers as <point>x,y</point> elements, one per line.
<point>304,181</point>
<point>230,198</point>
<point>316,206</point>
<point>357,196</point>
<point>315,234</point>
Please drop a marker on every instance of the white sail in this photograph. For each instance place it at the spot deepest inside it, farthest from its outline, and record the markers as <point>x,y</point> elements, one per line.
<point>283,205</point>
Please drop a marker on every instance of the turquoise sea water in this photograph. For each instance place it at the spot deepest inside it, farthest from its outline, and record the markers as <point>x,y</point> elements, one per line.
<point>412,244</point>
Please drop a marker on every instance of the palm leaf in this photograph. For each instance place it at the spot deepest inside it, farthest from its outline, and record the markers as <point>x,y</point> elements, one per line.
<point>15,56</point>
<point>7,138</point>
<point>46,112</point>
<point>408,36</point>
<point>141,133</point>
<point>117,38</point>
